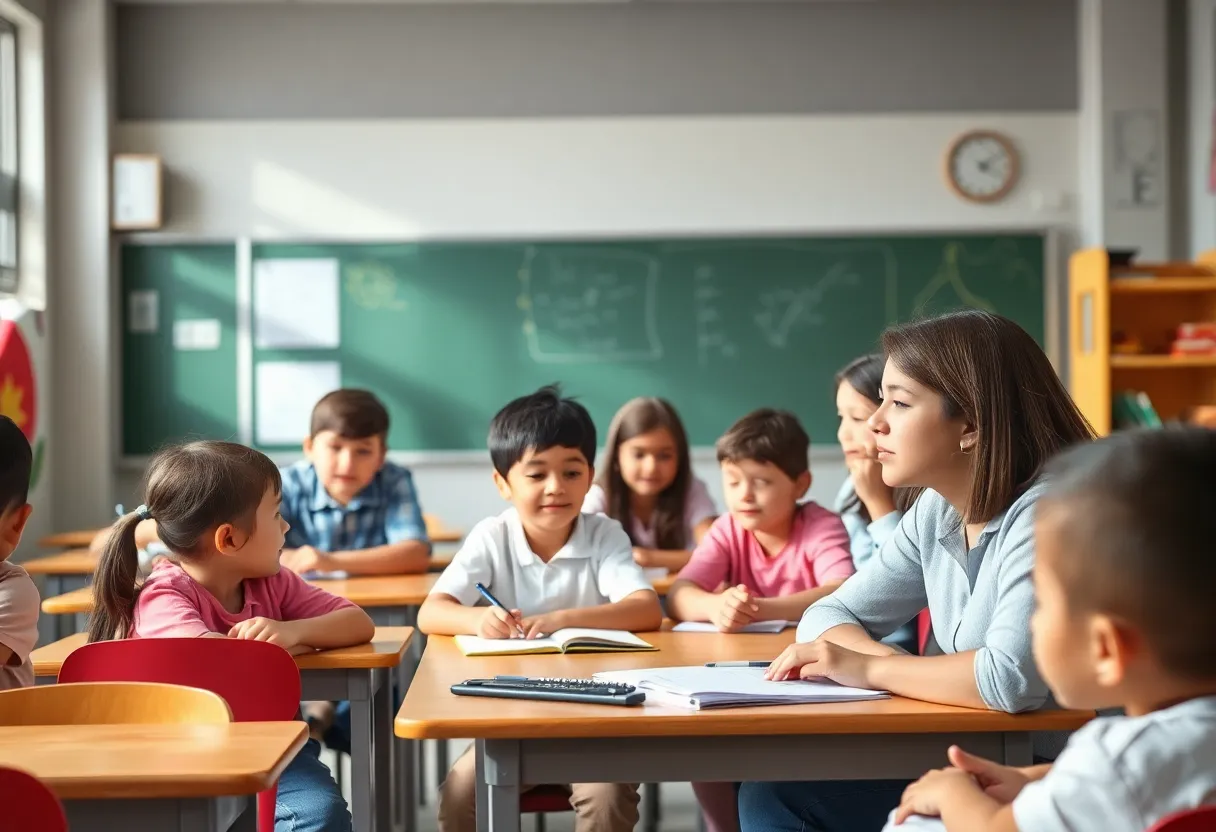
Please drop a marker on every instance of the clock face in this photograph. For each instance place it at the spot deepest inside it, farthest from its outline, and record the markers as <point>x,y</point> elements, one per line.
<point>982,166</point>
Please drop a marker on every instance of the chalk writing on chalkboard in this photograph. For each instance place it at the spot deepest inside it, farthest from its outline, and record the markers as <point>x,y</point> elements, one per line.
<point>589,305</point>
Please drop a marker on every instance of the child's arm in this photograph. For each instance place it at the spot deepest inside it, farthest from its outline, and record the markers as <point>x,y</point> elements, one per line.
<point>639,612</point>
<point>402,557</point>
<point>340,628</point>
<point>954,796</point>
<point>688,602</point>
<point>443,615</point>
<point>791,607</point>
<point>673,560</point>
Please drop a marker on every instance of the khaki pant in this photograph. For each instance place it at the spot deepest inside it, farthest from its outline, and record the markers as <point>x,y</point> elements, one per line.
<point>598,807</point>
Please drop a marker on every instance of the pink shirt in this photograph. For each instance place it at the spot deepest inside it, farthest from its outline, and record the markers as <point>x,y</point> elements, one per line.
<point>817,552</point>
<point>173,605</point>
<point>698,506</point>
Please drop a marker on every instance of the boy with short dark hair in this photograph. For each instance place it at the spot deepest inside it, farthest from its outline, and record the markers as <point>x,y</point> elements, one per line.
<point>19,599</point>
<point>350,509</point>
<point>1123,581</point>
<point>551,566</point>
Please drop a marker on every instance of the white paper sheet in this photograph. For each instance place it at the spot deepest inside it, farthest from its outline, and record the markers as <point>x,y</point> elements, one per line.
<point>286,393</point>
<point>295,304</point>
<point>753,627</point>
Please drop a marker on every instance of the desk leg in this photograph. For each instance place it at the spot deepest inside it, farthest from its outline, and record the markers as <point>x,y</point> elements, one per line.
<point>58,624</point>
<point>362,786</point>
<point>1019,748</point>
<point>382,737</point>
<point>502,778</point>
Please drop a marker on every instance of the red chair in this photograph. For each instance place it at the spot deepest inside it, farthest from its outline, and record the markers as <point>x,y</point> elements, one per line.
<point>1202,819</point>
<point>544,800</point>
<point>924,627</point>
<point>29,806</point>
<point>260,681</point>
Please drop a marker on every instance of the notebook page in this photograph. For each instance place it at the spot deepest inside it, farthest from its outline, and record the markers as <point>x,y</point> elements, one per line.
<point>624,637</point>
<point>473,645</point>
<point>749,682</point>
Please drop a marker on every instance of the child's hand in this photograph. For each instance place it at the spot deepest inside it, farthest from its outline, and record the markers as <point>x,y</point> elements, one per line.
<point>737,609</point>
<point>821,659</point>
<point>866,474</point>
<point>1001,783</point>
<point>642,556</point>
<point>305,559</point>
<point>539,626</point>
<point>495,623</point>
<point>926,795</point>
<point>282,633</point>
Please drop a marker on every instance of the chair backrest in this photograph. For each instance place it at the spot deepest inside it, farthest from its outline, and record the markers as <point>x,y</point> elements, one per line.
<point>111,703</point>
<point>1202,819</point>
<point>259,681</point>
<point>28,804</point>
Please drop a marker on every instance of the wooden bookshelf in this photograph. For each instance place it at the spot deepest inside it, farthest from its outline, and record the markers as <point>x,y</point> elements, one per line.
<point>1146,301</point>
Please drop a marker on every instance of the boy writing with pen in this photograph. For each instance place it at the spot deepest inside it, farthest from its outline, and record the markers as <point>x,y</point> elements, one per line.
<point>538,567</point>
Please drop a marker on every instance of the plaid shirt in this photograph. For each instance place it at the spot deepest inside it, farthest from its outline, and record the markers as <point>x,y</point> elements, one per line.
<point>386,511</point>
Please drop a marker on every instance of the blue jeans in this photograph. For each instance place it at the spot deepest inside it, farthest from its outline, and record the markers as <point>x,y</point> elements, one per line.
<point>308,798</point>
<point>338,735</point>
<point>821,806</point>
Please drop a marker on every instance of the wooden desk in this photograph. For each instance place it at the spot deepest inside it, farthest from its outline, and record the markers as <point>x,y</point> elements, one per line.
<point>546,742</point>
<point>361,674</point>
<point>71,562</point>
<point>172,777</point>
<point>68,540</point>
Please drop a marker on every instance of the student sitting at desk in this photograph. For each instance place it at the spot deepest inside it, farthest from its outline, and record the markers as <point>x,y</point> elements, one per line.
<point>971,410</point>
<point>647,485</point>
<point>551,566</point>
<point>774,555</point>
<point>19,599</point>
<point>216,505</point>
<point>1125,618</point>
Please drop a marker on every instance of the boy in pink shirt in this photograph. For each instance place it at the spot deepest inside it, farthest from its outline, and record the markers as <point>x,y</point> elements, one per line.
<point>770,558</point>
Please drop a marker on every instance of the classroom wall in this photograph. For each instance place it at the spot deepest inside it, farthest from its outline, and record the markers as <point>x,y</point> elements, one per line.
<point>399,122</point>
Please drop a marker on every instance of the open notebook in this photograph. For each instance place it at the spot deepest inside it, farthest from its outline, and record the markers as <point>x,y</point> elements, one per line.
<point>569,640</point>
<point>698,688</point>
<point>775,626</point>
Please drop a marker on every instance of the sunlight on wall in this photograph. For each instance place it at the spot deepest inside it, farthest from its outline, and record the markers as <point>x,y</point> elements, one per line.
<point>310,209</point>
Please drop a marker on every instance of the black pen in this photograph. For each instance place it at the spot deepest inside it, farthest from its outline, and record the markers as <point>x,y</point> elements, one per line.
<point>737,664</point>
<point>485,593</point>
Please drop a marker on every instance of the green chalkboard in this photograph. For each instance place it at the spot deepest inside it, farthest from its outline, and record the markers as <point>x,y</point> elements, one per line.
<point>447,333</point>
<point>170,394</point>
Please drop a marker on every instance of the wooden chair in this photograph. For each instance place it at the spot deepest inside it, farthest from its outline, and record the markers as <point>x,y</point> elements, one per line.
<point>1202,819</point>
<point>29,805</point>
<point>111,703</point>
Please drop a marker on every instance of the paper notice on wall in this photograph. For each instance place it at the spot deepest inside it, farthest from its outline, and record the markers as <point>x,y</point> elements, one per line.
<point>143,311</point>
<point>286,393</point>
<point>295,304</point>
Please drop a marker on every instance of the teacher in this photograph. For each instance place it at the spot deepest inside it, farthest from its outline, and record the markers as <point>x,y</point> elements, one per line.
<point>971,410</point>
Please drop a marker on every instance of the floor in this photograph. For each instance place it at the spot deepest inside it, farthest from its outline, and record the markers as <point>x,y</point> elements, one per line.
<point>678,806</point>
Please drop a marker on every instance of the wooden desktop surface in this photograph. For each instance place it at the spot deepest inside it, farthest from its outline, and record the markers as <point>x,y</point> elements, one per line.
<point>432,711</point>
<point>151,761</point>
<point>66,540</point>
<point>71,562</point>
<point>386,649</point>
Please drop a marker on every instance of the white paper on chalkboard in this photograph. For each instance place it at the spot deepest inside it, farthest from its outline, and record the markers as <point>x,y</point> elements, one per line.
<point>286,393</point>
<point>295,304</point>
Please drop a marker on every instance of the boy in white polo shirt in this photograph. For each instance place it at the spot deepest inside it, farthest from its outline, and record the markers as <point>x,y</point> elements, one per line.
<point>552,566</point>
<point>1123,581</point>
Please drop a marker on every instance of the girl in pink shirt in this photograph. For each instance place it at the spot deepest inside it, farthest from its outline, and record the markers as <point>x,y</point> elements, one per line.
<point>770,558</point>
<point>646,484</point>
<point>216,507</point>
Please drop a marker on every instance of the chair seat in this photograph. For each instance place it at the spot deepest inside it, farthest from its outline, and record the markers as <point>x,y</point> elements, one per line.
<point>545,800</point>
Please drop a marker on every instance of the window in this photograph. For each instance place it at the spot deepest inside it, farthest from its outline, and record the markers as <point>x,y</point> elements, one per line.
<point>9,191</point>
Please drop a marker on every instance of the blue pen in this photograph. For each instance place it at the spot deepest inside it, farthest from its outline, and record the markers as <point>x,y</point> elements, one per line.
<point>485,593</point>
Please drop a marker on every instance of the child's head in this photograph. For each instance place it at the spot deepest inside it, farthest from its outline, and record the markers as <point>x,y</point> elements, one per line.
<point>646,456</point>
<point>347,441</point>
<point>1123,569</point>
<point>970,400</point>
<point>212,501</point>
<point>764,468</point>
<point>542,446</point>
<point>858,395</point>
<point>14,485</point>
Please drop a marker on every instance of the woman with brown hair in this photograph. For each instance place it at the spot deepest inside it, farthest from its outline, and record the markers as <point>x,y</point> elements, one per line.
<point>971,410</point>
